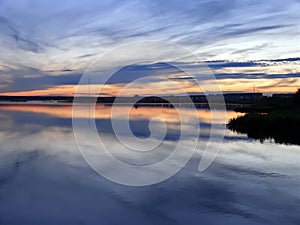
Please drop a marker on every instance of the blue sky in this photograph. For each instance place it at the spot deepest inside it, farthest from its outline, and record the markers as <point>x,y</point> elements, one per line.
<point>48,44</point>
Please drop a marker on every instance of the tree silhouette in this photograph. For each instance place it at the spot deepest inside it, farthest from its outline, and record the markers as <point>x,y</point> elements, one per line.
<point>297,96</point>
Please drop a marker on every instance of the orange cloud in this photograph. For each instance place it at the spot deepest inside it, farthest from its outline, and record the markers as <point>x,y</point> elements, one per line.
<point>172,88</point>
<point>66,90</point>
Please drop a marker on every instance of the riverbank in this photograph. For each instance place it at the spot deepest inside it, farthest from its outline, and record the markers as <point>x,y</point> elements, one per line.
<point>277,119</point>
<point>281,125</point>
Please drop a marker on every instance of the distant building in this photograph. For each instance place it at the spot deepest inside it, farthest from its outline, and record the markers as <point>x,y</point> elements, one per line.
<point>198,98</point>
<point>242,97</point>
<point>289,95</point>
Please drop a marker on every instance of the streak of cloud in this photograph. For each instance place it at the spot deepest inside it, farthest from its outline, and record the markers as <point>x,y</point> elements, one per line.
<point>63,38</point>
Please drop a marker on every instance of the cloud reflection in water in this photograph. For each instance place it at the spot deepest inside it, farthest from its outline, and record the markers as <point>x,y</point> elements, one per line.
<point>44,180</point>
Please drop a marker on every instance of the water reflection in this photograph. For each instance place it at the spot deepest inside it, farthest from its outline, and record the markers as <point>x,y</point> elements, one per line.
<point>44,180</point>
<point>257,126</point>
<point>103,111</point>
<point>58,112</point>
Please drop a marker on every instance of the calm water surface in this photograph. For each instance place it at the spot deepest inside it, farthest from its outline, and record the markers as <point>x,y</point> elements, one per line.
<point>45,180</point>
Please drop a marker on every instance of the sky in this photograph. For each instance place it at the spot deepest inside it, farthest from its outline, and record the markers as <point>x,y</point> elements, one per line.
<point>46,46</point>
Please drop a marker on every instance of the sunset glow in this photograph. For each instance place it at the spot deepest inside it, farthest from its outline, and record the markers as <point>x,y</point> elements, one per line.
<point>243,46</point>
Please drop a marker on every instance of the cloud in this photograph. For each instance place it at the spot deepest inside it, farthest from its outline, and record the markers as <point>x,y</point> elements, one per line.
<point>46,35</point>
<point>224,64</point>
<point>20,40</point>
<point>28,78</point>
<point>286,60</point>
<point>151,72</point>
<point>255,76</point>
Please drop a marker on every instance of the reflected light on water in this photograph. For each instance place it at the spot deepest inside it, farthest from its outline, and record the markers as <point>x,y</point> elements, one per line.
<point>44,179</point>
